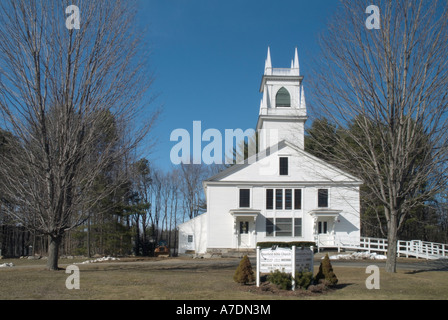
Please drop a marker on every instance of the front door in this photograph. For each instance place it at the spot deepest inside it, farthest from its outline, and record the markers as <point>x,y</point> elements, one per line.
<point>244,236</point>
<point>325,232</point>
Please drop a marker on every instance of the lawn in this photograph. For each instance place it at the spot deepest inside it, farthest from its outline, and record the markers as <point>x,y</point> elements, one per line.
<point>152,280</point>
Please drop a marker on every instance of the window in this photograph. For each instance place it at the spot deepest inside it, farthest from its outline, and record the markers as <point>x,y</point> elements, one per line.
<point>297,227</point>
<point>284,227</point>
<point>322,198</point>
<point>292,199</point>
<point>283,99</point>
<point>244,227</point>
<point>244,198</point>
<point>279,199</point>
<point>269,199</point>
<point>288,199</point>
<point>322,227</point>
<point>269,227</point>
<point>283,166</point>
<point>190,238</point>
<point>298,199</point>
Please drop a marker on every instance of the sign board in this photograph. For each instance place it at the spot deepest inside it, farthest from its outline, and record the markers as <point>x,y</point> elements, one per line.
<point>284,260</point>
<point>278,259</point>
<point>304,259</point>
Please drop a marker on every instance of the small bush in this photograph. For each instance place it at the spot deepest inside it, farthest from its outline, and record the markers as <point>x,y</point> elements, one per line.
<point>281,279</point>
<point>326,272</point>
<point>303,279</point>
<point>244,273</point>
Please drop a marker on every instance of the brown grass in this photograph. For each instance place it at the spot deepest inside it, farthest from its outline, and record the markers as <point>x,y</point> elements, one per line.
<point>148,281</point>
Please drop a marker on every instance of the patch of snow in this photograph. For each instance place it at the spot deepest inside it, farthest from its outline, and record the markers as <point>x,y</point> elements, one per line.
<point>7,265</point>
<point>99,260</point>
<point>359,256</point>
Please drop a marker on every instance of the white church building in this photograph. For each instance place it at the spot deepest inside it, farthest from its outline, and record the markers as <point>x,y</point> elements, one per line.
<point>281,194</point>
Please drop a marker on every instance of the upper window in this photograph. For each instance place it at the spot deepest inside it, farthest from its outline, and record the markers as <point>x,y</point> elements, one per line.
<point>322,198</point>
<point>284,166</point>
<point>283,199</point>
<point>244,198</point>
<point>283,99</point>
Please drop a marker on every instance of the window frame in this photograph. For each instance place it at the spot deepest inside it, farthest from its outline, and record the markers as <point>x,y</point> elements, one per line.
<point>282,171</point>
<point>272,202</point>
<point>327,200</point>
<point>270,199</point>
<point>295,224</point>
<point>279,200</point>
<point>284,92</point>
<point>240,198</point>
<point>300,205</point>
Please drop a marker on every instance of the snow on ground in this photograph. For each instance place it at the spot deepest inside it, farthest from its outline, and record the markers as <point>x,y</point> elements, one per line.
<point>359,256</point>
<point>99,260</point>
<point>7,265</point>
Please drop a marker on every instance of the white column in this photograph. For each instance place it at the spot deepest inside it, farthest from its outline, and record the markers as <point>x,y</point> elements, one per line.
<point>293,266</point>
<point>258,266</point>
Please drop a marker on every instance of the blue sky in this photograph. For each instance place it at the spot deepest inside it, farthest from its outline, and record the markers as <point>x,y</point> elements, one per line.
<point>208,58</point>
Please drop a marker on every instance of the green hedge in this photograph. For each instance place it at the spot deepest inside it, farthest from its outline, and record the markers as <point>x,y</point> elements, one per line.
<point>298,244</point>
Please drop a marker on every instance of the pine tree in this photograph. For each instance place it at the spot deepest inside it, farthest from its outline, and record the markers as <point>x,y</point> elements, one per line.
<point>326,272</point>
<point>244,273</point>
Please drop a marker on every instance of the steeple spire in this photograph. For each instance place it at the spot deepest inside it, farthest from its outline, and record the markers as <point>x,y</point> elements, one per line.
<point>296,61</point>
<point>268,64</point>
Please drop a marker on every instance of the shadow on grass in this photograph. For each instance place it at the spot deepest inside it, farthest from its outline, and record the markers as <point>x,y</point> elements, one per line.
<point>438,265</point>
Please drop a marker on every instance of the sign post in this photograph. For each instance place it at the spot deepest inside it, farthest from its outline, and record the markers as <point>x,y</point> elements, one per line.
<point>285,260</point>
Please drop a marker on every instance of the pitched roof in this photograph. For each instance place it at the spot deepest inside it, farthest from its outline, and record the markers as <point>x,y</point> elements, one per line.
<point>270,151</point>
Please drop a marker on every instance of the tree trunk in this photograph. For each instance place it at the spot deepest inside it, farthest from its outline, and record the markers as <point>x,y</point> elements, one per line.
<point>53,252</point>
<point>391,263</point>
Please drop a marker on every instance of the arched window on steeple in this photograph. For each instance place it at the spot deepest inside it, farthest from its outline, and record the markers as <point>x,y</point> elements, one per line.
<point>283,99</point>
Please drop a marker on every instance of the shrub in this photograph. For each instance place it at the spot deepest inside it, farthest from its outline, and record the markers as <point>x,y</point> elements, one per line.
<point>303,279</point>
<point>244,273</point>
<point>326,272</point>
<point>281,279</point>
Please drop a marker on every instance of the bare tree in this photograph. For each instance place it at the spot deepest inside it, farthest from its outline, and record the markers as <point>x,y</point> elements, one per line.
<point>60,90</point>
<point>192,176</point>
<point>390,85</point>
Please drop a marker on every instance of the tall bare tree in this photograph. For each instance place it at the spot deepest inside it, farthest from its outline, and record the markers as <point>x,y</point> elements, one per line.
<point>61,88</point>
<point>391,84</point>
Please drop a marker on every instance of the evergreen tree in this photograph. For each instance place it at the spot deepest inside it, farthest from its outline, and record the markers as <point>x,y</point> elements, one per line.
<point>244,273</point>
<point>326,272</point>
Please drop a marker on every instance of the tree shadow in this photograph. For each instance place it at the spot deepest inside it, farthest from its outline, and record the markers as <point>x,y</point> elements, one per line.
<point>437,265</point>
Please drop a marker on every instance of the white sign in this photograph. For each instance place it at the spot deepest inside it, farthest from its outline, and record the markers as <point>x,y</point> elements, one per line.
<point>278,259</point>
<point>284,260</point>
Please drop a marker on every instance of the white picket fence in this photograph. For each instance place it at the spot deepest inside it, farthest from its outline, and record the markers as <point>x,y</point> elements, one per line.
<point>413,248</point>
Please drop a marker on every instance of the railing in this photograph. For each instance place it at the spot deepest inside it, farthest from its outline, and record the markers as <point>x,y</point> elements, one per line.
<point>282,71</point>
<point>423,249</point>
<point>413,248</point>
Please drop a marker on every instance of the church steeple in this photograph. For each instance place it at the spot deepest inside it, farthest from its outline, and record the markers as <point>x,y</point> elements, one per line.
<point>283,106</point>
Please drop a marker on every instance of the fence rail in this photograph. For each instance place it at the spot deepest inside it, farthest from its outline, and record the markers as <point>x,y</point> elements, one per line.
<point>413,248</point>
